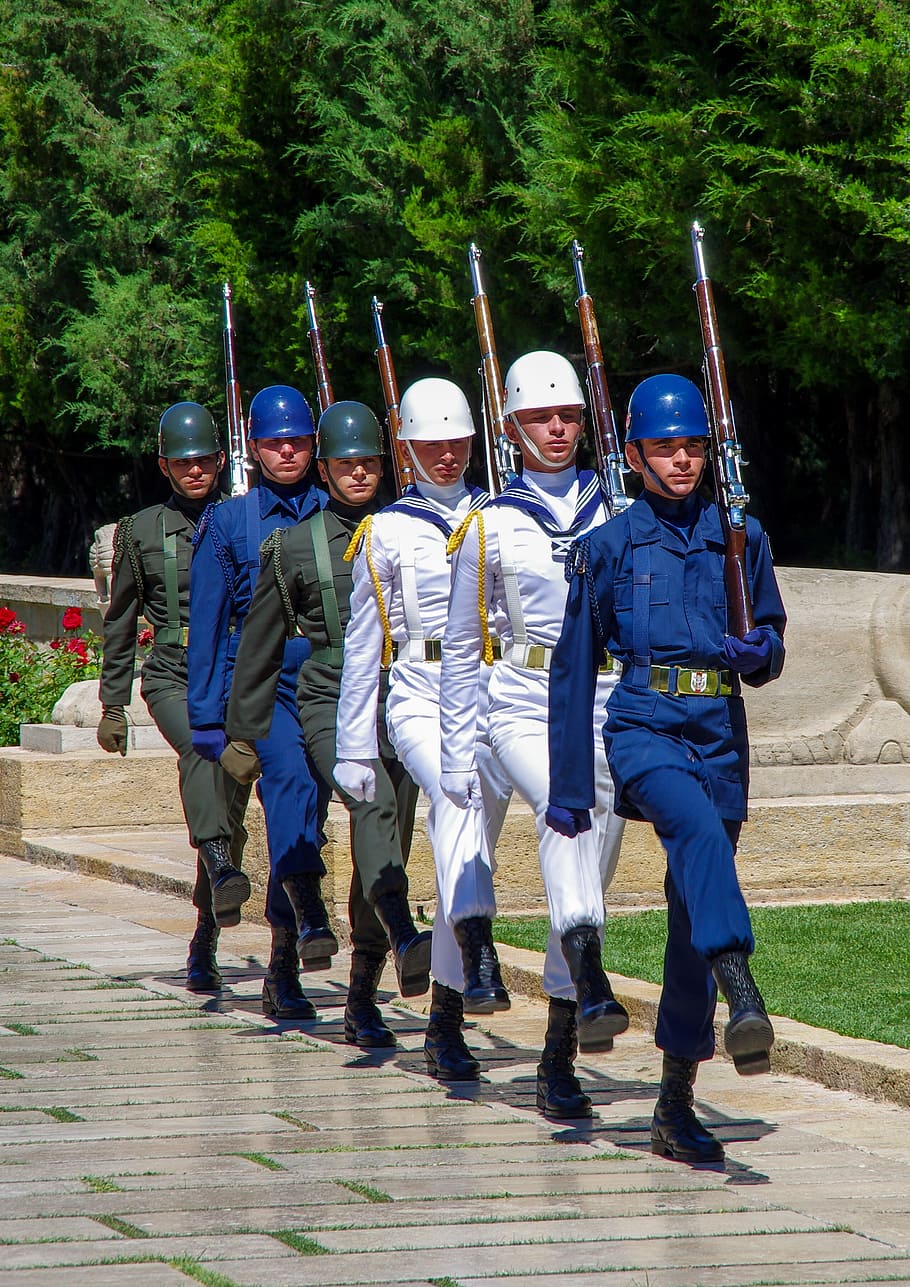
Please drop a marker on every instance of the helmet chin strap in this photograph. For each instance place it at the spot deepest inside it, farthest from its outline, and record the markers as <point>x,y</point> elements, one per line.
<point>422,473</point>
<point>534,451</point>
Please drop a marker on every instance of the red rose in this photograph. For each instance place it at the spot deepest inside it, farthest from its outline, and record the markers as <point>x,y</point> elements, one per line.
<point>72,619</point>
<point>7,617</point>
<point>77,646</point>
<point>55,644</point>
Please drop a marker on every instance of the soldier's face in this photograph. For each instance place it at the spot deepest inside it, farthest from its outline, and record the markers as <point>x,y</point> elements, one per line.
<point>283,460</point>
<point>668,466</point>
<point>553,433</point>
<point>354,482</point>
<point>442,463</point>
<point>193,478</point>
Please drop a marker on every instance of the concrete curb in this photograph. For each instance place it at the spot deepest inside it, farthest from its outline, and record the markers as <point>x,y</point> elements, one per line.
<point>866,1068</point>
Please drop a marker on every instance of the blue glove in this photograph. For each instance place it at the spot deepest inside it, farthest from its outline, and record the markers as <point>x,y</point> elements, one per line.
<point>568,822</point>
<point>749,654</point>
<point>209,743</point>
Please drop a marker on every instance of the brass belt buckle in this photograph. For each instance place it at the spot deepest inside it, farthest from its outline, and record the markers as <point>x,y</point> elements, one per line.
<point>536,657</point>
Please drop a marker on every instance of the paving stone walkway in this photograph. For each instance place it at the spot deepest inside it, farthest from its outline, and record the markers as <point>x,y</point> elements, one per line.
<point>150,1138</point>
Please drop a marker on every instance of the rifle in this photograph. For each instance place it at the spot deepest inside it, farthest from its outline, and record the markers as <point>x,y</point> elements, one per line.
<point>323,384</point>
<point>726,453</point>
<point>610,463</point>
<point>236,430</point>
<point>404,474</point>
<point>499,452</point>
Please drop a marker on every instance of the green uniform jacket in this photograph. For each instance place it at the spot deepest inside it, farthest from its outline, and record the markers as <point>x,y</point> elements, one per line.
<point>288,601</point>
<point>139,589</point>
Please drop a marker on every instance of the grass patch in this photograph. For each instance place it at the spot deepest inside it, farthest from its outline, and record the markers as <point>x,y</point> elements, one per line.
<point>100,1184</point>
<point>299,1242</point>
<point>61,1114</point>
<point>10,1074</point>
<point>207,1277</point>
<point>120,1226</point>
<point>364,1190</point>
<point>836,966</point>
<point>260,1159</point>
<point>23,1029</point>
<point>294,1121</point>
<point>76,1056</point>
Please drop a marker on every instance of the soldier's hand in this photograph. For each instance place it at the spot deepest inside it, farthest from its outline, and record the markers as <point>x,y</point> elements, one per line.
<point>113,731</point>
<point>462,788</point>
<point>209,742</point>
<point>749,654</point>
<point>241,761</point>
<point>567,822</point>
<point>357,778</point>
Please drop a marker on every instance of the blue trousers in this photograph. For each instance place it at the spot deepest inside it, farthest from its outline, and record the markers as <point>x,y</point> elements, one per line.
<point>289,796</point>
<point>706,911</point>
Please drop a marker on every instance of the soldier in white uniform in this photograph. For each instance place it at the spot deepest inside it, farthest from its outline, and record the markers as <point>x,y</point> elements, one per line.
<point>510,564</point>
<point>398,610</point>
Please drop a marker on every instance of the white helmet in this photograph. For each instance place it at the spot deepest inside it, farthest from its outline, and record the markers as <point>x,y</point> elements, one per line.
<point>434,410</point>
<point>541,379</point>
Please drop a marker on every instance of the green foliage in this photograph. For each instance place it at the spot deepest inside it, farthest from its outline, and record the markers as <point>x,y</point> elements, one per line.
<point>840,967</point>
<point>33,677</point>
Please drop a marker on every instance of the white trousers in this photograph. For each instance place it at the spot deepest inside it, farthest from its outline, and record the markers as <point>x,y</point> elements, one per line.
<point>462,840</point>
<point>575,871</point>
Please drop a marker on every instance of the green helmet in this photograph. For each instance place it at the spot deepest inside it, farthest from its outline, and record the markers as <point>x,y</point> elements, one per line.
<point>347,430</point>
<point>186,430</point>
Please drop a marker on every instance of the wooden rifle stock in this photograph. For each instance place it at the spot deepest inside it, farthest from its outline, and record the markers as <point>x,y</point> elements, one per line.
<point>610,465</point>
<point>324,392</point>
<point>500,461</point>
<point>236,428</point>
<point>404,474</point>
<point>726,452</point>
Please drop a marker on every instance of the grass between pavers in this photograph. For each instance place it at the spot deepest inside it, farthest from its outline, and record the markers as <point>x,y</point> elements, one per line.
<point>364,1190</point>
<point>838,966</point>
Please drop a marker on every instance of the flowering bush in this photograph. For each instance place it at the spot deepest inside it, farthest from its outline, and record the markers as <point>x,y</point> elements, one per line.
<point>34,676</point>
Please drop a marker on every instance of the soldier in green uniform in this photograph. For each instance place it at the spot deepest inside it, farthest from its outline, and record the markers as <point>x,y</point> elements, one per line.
<point>304,587</point>
<point>151,578</point>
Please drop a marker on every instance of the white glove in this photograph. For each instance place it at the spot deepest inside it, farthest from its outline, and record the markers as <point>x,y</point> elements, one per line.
<point>357,778</point>
<point>462,788</point>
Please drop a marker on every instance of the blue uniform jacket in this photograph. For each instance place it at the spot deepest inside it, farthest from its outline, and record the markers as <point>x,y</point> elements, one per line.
<point>685,617</point>
<point>222,580</point>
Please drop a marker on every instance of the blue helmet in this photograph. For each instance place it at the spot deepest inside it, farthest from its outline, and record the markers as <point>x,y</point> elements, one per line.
<point>666,406</point>
<point>280,412</point>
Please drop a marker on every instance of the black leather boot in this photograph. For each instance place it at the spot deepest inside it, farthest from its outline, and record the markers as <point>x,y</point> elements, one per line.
<point>410,946</point>
<point>316,944</point>
<point>484,990</point>
<point>230,887</point>
<point>363,1021</point>
<point>599,1015</point>
<point>202,973</point>
<point>444,1049</point>
<point>558,1091</point>
<point>748,1036</point>
<point>282,995</point>
<point>675,1130</point>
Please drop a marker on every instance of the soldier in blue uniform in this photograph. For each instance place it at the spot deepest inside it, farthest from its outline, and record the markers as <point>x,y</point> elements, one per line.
<point>649,587</point>
<point>223,577</point>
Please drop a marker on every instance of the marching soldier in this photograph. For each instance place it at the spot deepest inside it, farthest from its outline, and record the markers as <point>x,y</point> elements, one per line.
<point>649,587</point>
<point>151,578</point>
<point>511,564</point>
<point>400,601</point>
<point>224,572</point>
<point>304,588</point>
